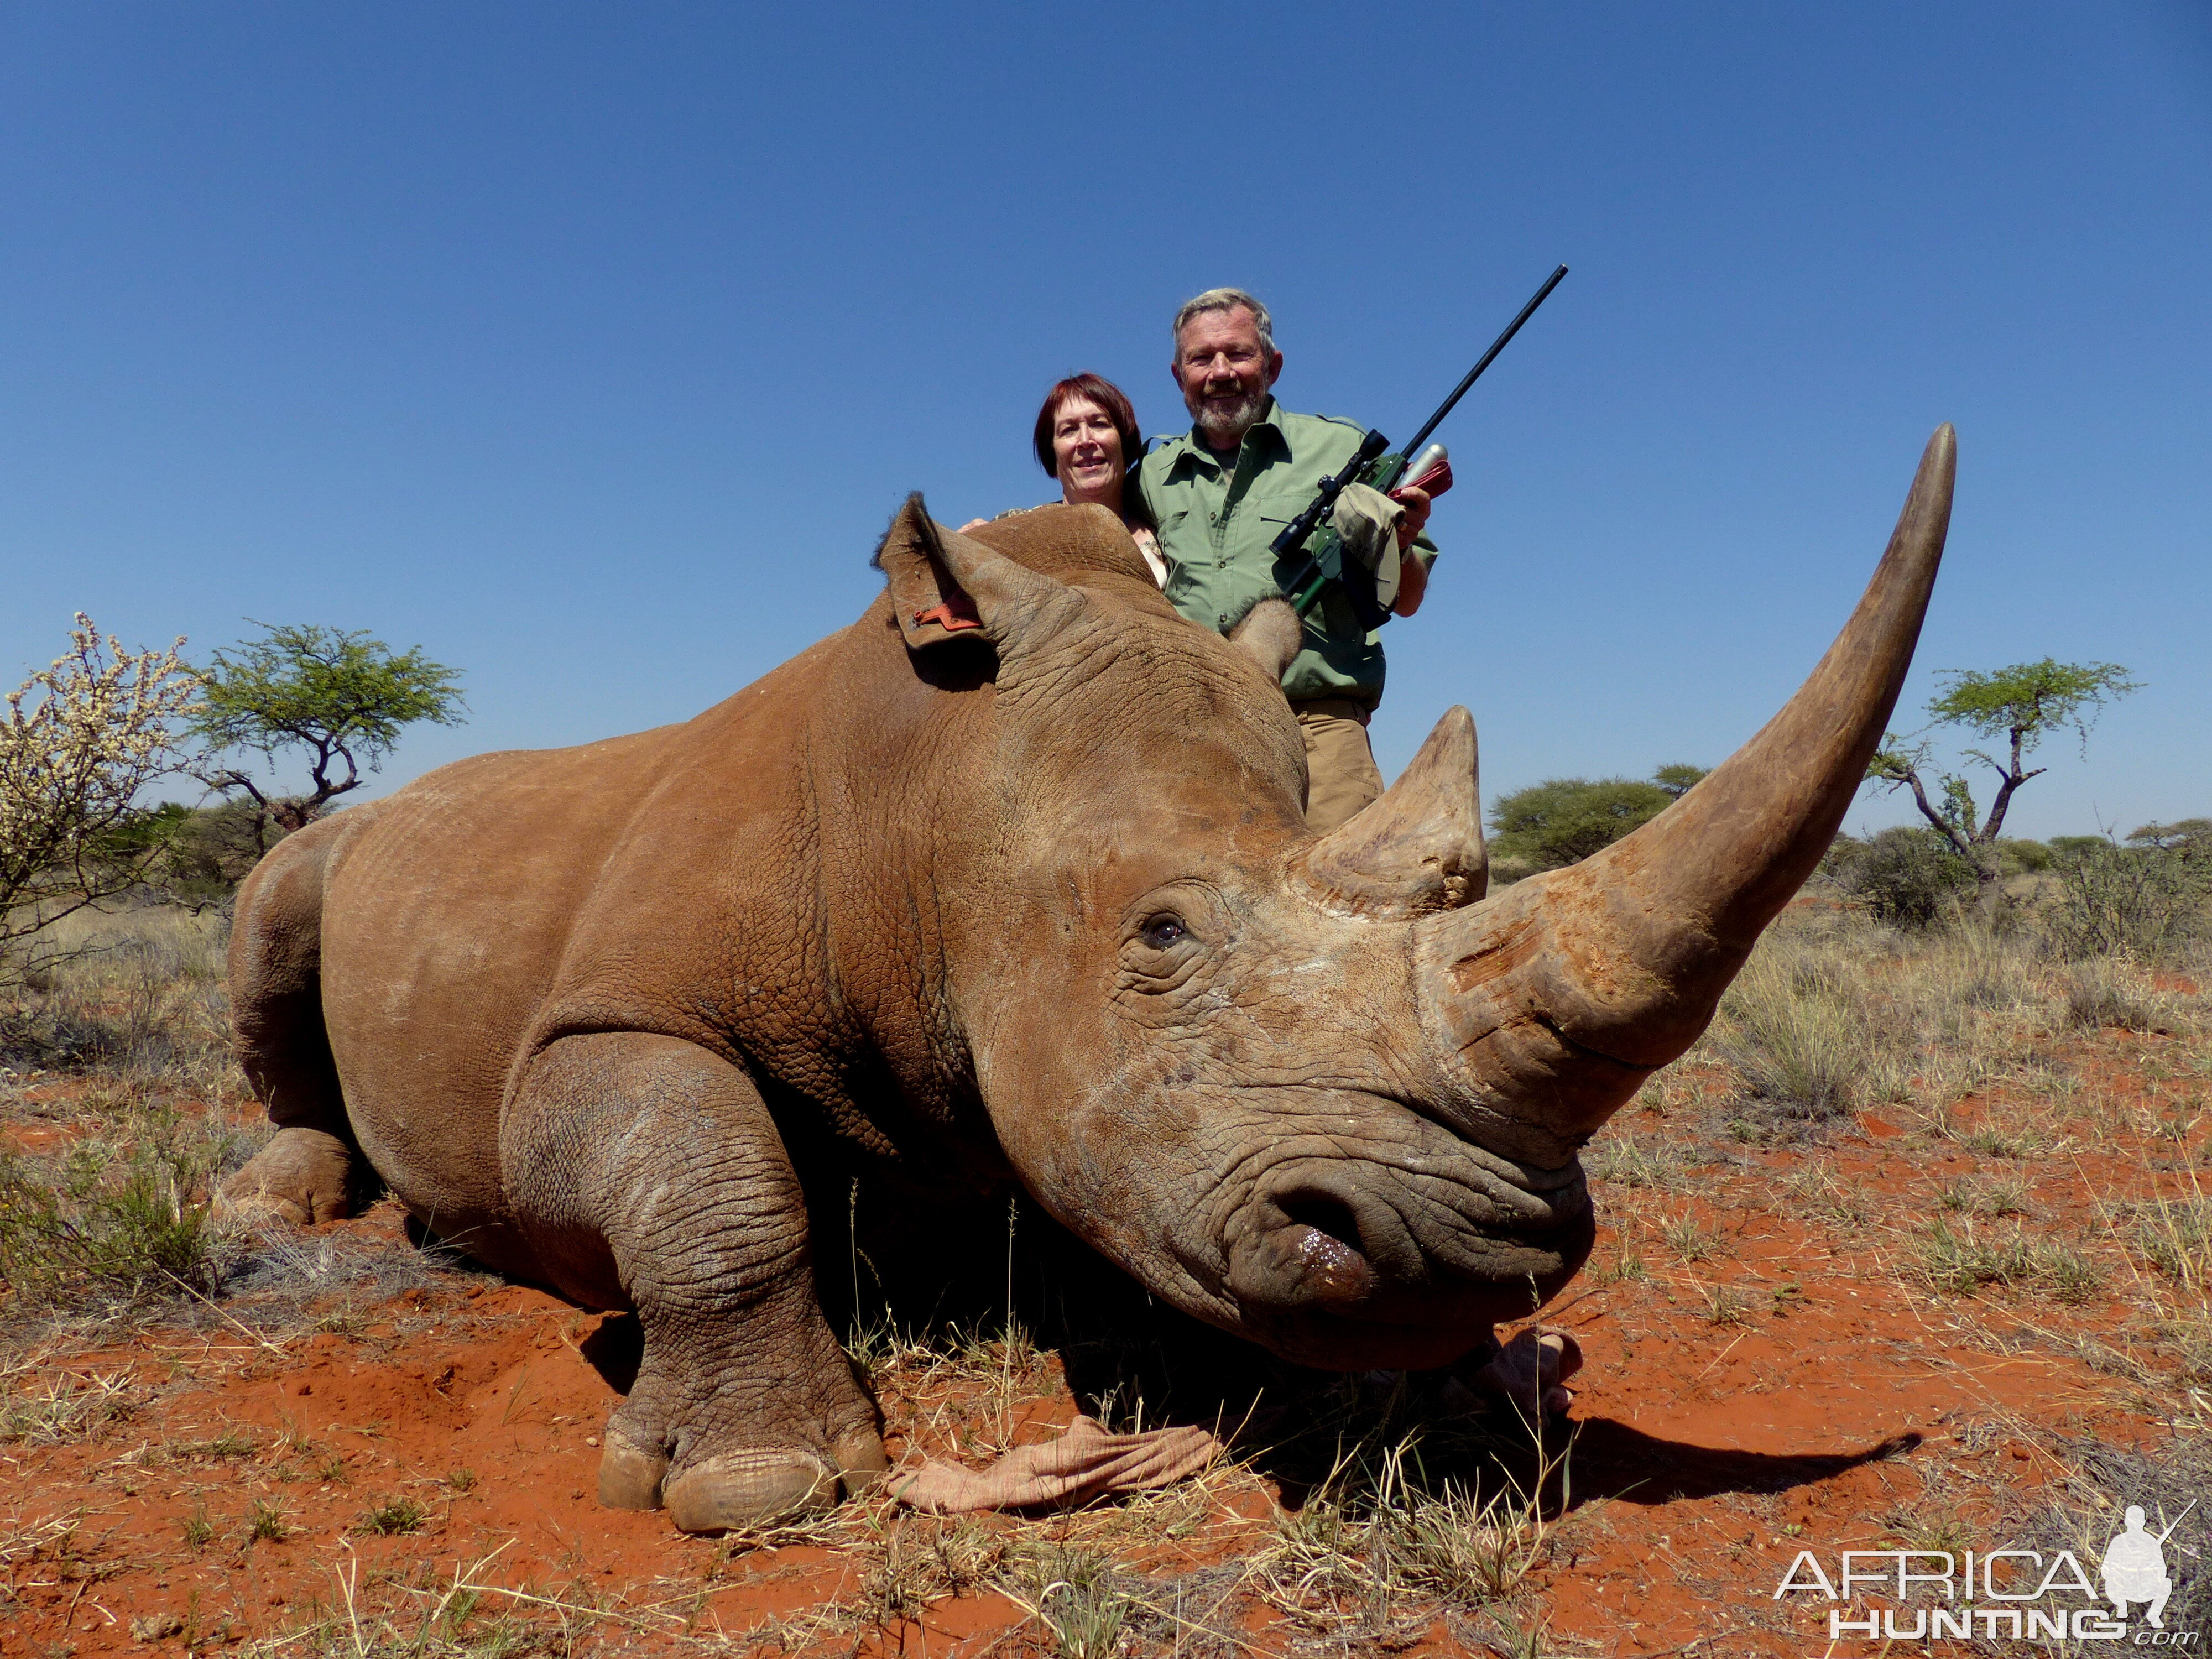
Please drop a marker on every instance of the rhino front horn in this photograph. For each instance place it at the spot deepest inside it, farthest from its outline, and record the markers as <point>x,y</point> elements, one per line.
<point>1416,850</point>
<point>1550,1006</point>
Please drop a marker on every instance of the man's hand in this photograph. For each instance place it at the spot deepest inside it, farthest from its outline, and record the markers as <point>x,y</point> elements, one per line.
<point>1416,504</point>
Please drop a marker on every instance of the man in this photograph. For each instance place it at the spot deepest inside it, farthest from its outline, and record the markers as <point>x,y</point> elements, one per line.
<point>1224,491</point>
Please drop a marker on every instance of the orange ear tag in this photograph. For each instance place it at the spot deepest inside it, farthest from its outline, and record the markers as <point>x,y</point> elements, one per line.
<point>955,614</point>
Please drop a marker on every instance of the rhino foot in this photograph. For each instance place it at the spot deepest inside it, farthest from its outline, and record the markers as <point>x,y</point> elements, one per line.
<point>631,1476</point>
<point>738,1488</point>
<point>750,1488</point>
<point>302,1177</point>
<point>861,1459</point>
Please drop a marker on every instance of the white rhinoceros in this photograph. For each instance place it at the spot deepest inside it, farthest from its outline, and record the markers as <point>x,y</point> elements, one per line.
<point>1007,880</point>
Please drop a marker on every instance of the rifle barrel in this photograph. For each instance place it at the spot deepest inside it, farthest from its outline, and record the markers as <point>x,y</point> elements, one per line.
<point>1414,447</point>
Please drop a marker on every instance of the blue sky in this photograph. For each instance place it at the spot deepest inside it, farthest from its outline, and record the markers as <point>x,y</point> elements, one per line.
<point>591,348</point>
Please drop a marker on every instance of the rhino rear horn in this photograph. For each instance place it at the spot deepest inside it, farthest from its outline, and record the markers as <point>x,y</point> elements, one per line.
<point>1419,849</point>
<point>1553,1002</point>
<point>944,585</point>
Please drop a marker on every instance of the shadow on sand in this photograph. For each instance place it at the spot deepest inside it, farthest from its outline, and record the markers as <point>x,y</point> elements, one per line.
<point>1127,1356</point>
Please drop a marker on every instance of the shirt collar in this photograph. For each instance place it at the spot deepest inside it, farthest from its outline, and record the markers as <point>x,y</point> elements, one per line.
<point>1195,449</point>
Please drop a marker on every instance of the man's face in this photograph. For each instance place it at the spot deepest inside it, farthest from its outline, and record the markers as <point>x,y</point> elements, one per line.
<point>1223,373</point>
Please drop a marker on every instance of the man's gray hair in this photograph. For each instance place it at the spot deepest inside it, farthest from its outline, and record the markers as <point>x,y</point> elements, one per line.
<point>1227,299</point>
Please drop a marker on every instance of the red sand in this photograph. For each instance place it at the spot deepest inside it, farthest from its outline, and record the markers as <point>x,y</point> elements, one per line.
<point>1673,1532</point>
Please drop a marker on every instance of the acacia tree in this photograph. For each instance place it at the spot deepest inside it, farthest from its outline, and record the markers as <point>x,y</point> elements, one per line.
<point>79,742</point>
<point>2019,705</point>
<point>2190,837</point>
<point>1563,820</point>
<point>335,694</point>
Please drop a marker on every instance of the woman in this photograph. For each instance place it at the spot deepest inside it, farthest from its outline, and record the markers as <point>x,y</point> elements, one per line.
<point>1087,438</point>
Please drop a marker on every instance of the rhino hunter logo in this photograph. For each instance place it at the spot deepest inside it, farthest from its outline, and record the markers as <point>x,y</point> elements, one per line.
<point>1987,1595</point>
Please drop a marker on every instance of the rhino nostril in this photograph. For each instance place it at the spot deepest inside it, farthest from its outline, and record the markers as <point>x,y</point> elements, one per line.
<point>1306,1252</point>
<point>1327,1216</point>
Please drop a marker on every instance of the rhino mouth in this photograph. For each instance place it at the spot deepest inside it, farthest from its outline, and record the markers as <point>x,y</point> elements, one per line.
<point>1350,1266</point>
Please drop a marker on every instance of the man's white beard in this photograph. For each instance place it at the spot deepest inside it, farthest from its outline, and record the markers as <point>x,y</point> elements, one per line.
<point>1226,424</point>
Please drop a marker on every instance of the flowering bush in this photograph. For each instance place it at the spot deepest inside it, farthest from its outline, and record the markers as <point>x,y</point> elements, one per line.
<point>79,742</point>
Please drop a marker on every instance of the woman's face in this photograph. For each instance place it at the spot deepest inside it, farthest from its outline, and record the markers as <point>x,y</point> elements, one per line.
<point>1087,453</point>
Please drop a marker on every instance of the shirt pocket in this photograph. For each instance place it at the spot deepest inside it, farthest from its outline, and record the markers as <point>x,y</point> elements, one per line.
<point>1271,518</point>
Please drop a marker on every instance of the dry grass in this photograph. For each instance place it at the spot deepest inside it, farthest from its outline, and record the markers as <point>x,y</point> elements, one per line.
<point>135,994</point>
<point>2171,1236</point>
<point>118,1070</point>
<point>1653,1163</point>
<point>1963,1258</point>
<point>1384,1542</point>
<point>118,1080</point>
<point>41,1405</point>
<point>1998,1059</point>
<point>1833,1015</point>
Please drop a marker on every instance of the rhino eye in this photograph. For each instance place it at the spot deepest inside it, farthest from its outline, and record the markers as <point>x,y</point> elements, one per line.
<point>1162,931</point>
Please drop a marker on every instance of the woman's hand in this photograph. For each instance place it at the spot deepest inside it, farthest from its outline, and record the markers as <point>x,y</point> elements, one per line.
<point>973,524</point>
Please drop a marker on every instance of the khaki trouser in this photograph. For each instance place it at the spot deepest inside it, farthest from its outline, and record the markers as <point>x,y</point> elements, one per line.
<point>1340,774</point>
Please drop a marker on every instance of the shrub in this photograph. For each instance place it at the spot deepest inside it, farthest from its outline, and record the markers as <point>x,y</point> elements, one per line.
<point>1796,1045</point>
<point>1504,872</point>
<point>134,1224</point>
<point>2191,835</point>
<point>1908,878</point>
<point>78,742</point>
<point>2146,902</point>
<point>1844,851</point>
<point>200,854</point>
<point>1561,820</point>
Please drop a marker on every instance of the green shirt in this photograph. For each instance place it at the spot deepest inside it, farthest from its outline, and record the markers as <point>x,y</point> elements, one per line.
<point>1215,528</point>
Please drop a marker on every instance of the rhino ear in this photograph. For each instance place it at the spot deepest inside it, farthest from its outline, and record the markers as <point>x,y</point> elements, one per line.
<point>944,585</point>
<point>1271,635</point>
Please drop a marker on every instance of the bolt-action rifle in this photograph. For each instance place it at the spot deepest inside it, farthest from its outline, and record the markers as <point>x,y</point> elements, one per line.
<point>1375,466</point>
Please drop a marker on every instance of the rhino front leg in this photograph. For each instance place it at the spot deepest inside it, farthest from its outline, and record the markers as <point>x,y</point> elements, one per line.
<point>648,1173</point>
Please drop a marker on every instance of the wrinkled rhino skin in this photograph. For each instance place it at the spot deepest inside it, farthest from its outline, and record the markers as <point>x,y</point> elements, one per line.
<point>1032,900</point>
